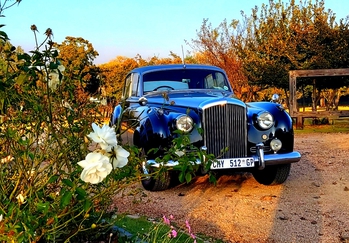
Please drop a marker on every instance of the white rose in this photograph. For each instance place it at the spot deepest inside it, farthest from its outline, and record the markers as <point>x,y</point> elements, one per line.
<point>105,136</point>
<point>119,157</point>
<point>96,168</point>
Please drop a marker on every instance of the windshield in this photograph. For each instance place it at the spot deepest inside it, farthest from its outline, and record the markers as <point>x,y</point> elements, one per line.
<point>183,79</point>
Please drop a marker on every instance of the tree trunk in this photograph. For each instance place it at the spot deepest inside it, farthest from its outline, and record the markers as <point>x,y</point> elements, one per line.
<point>336,100</point>
<point>303,102</point>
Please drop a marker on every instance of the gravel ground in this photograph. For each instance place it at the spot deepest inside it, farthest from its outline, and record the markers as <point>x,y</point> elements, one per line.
<point>311,206</point>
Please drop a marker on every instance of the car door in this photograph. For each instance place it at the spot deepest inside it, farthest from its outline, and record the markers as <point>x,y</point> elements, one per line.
<point>130,116</point>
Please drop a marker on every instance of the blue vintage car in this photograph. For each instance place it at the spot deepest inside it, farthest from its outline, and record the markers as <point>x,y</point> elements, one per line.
<point>257,137</point>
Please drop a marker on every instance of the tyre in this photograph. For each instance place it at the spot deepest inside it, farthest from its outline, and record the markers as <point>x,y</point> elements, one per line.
<point>272,175</point>
<point>158,182</point>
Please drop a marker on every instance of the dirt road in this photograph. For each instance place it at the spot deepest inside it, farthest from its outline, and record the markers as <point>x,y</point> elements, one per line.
<point>311,206</point>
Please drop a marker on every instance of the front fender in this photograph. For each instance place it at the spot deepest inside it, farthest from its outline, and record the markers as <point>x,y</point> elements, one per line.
<point>156,130</point>
<point>282,128</point>
<point>115,116</point>
<point>151,132</point>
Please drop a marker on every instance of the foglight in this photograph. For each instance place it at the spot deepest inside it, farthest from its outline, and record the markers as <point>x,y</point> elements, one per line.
<point>275,145</point>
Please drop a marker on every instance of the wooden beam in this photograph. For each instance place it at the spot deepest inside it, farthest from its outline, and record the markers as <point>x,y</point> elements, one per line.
<point>320,72</point>
<point>317,114</point>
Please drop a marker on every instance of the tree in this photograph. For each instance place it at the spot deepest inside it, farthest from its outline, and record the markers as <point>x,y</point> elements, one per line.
<point>77,56</point>
<point>282,37</point>
<point>216,46</point>
<point>114,73</point>
<point>276,38</point>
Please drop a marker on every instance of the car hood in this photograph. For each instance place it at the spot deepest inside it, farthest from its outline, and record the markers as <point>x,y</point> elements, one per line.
<point>192,98</point>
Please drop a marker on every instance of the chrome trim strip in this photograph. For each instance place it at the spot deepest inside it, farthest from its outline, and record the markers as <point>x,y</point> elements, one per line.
<point>215,103</point>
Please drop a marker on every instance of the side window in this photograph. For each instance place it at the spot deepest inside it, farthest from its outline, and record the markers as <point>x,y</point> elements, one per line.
<point>131,85</point>
<point>135,81</point>
<point>127,88</point>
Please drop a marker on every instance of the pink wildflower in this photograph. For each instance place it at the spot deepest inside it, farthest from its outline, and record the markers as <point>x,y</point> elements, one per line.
<point>174,233</point>
<point>188,226</point>
<point>166,220</point>
<point>171,216</point>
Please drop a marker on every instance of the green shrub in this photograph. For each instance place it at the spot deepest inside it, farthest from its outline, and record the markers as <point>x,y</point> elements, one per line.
<point>45,120</point>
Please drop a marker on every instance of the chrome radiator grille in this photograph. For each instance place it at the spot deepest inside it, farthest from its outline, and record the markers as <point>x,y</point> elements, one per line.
<point>225,126</point>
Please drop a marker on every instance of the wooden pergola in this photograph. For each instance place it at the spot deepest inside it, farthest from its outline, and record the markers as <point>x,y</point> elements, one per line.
<point>293,109</point>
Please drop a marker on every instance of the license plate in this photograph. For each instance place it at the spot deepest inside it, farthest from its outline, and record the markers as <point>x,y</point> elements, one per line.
<point>232,163</point>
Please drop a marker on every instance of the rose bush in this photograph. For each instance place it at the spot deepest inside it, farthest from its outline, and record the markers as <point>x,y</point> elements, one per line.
<point>55,184</point>
<point>57,177</point>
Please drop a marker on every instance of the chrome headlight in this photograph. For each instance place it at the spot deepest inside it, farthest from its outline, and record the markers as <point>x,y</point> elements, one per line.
<point>265,120</point>
<point>184,123</point>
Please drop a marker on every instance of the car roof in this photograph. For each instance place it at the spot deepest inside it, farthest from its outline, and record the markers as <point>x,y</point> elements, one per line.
<point>146,69</point>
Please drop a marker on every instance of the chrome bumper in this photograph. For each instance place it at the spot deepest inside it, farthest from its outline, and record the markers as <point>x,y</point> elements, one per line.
<point>274,159</point>
<point>260,158</point>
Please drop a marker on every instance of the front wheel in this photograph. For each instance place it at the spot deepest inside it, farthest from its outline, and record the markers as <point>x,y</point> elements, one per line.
<point>155,182</point>
<point>272,175</point>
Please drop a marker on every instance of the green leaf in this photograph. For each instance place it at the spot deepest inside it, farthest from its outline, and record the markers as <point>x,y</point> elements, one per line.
<point>87,205</point>
<point>43,207</point>
<point>81,193</point>
<point>23,56</point>
<point>23,142</point>
<point>188,177</point>
<point>21,79</point>
<point>55,54</point>
<point>53,65</point>
<point>53,179</point>
<point>4,35</point>
<point>212,178</point>
<point>181,177</point>
<point>67,182</point>
<point>66,198</point>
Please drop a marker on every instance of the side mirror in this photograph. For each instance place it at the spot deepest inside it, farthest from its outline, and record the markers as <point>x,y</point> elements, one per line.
<point>275,98</point>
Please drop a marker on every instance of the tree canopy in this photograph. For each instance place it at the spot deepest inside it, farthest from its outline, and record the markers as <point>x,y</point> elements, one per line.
<point>280,37</point>
<point>276,38</point>
<point>216,46</point>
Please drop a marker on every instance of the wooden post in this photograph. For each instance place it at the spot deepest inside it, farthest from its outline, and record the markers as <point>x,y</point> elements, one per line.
<point>313,97</point>
<point>293,97</point>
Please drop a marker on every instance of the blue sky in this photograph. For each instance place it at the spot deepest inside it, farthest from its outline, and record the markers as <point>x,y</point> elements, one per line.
<point>128,27</point>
